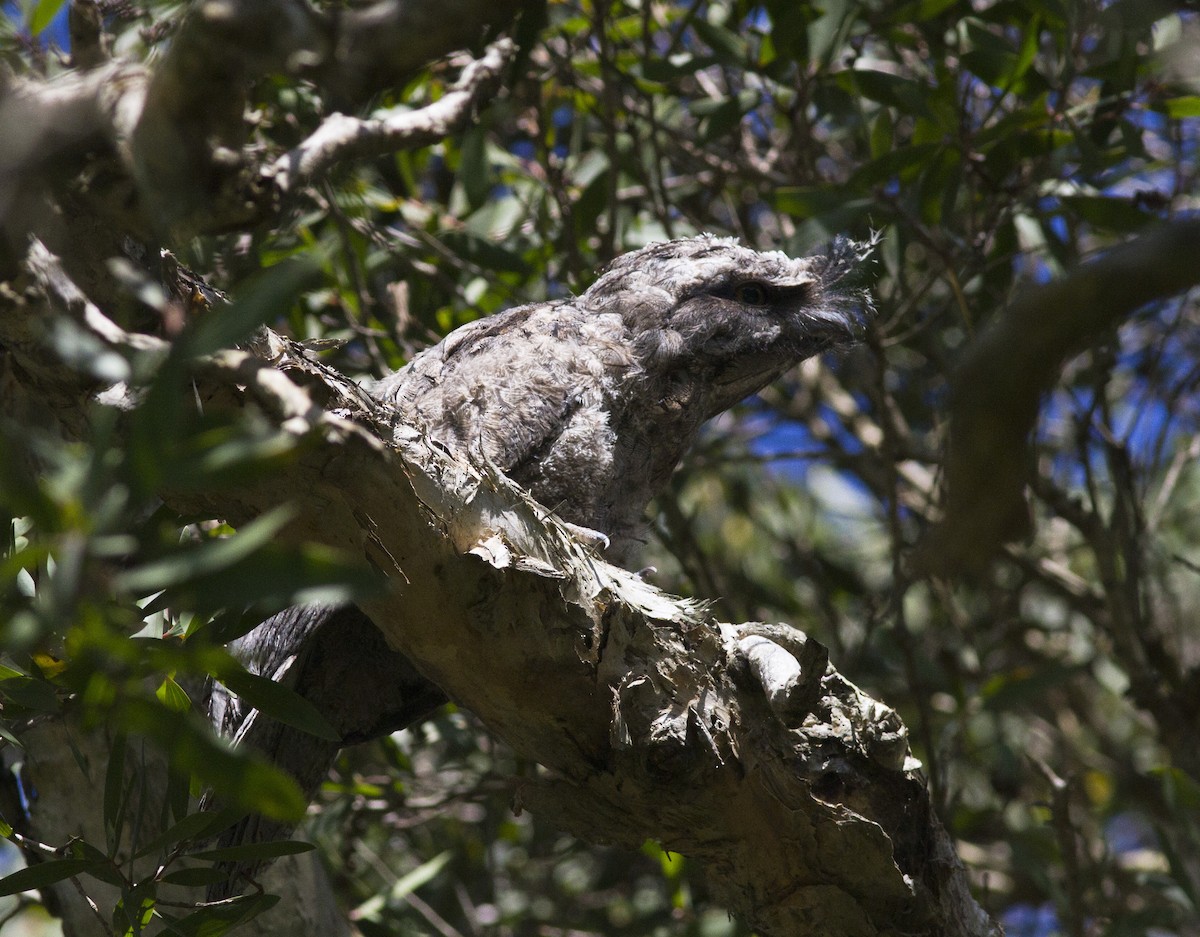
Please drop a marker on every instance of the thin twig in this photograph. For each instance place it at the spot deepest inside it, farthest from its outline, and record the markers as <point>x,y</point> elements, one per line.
<point>342,137</point>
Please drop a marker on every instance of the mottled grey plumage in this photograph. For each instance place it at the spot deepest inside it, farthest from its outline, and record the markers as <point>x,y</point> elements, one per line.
<point>590,403</point>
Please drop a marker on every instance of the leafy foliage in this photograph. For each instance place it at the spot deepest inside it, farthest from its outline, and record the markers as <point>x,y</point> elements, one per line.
<point>994,145</point>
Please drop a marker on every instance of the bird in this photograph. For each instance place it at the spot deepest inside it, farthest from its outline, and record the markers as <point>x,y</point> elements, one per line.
<point>589,402</point>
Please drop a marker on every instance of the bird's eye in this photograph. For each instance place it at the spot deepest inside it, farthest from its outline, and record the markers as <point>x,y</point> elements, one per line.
<point>751,294</point>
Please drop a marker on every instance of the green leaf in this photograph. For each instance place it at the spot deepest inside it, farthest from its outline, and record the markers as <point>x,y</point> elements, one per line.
<point>252,852</point>
<point>161,428</point>
<point>474,171</point>
<point>173,696</point>
<point>31,693</point>
<point>248,569</point>
<point>939,185</point>
<point>43,874</point>
<point>992,56</point>
<point>213,922</point>
<point>728,46</point>
<point>102,868</point>
<point>7,672</point>
<point>677,66</point>
<point>134,912</point>
<point>276,576</point>
<point>195,878</point>
<point>826,32</point>
<point>921,10</point>
<point>498,217</point>
<point>43,15</point>
<point>21,491</point>
<point>405,885</point>
<point>807,201</point>
<point>1181,868</point>
<point>230,625</point>
<point>243,778</point>
<point>1179,790</point>
<point>883,138</point>
<point>229,456</point>
<point>280,702</point>
<point>195,826</point>
<point>904,94</point>
<point>223,326</point>
<point>115,794</point>
<point>904,163</point>
<point>499,257</point>
<point>1016,688</point>
<point>84,352</point>
<point>210,557</point>
<point>721,115</point>
<point>1185,106</point>
<point>671,863</point>
<point>1113,214</point>
<point>178,797</point>
<point>836,209</point>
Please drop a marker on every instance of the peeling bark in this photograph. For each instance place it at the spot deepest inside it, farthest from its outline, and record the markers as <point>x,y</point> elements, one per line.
<point>650,718</point>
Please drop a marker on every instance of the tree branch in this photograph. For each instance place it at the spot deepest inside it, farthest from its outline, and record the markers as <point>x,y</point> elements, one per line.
<point>734,744</point>
<point>189,140</point>
<point>341,137</point>
<point>180,129</point>
<point>1013,363</point>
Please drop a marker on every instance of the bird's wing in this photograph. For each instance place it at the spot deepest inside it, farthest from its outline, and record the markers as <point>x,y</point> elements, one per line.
<point>510,386</point>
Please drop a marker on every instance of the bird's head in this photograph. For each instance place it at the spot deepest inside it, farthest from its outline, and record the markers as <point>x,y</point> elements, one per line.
<point>729,316</point>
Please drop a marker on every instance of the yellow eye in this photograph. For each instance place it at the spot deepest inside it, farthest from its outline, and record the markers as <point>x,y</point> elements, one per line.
<point>752,294</point>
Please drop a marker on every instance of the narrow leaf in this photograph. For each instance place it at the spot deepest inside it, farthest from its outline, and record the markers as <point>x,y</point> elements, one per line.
<point>195,826</point>
<point>242,778</point>
<point>194,878</point>
<point>1185,106</point>
<point>31,692</point>
<point>223,326</point>
<point>250,852</point>
<point>43,15</point>
<point>42,874</point>
<point>279,702</point>
<point>213,556</point>
<point>213,922</point>
<point>114,794</point>
<point>173,696</point>
<point>405,885</point>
